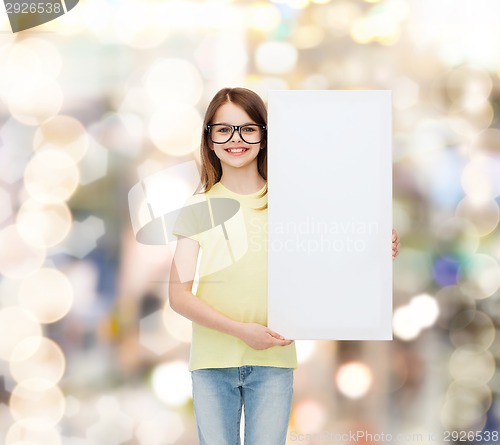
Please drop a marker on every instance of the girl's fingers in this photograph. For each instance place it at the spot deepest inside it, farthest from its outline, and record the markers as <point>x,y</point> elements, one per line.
<point>275,335</point>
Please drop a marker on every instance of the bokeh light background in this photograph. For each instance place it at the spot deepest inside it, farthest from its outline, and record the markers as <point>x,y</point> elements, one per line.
<point>113,93</point>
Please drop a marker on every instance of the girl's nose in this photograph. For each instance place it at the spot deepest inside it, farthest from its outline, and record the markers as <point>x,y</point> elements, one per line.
<point>236,135</point>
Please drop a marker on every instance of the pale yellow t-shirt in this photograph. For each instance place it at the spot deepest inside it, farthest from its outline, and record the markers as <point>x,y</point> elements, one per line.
<point>233,275</point>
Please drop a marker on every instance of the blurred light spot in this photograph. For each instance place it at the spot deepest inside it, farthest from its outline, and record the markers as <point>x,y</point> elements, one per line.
<point>47,294</point>
<point>401,218</point>
<point>9,289</point>
<point>27,64</point>
<point>213,15</point>
<point>315,82</point>
<point>96,17</point>
<point>153,334</point>
<point>445,271</point>
<point>34,105</point>
<point>452,300</point>
<point>43,225</point>
<point>412,270</point>
<point>83,236</point>
<point>262,16</point>
<point>175,129</point>
<point>212,62</point>
<point>73,406</point>
<point>149,167</point>
<point>37,357</point>
<point>309,416</point>
<point>475,389</point>
<point>178,327</point>
<point>134,100</point>
<point>404,325</point>
<point>405,93</point>
<point>472,328</point>
<point>468,88</point>
<point>5,205</point>
<point>399,372</point>
<point>173,81</point>
<point>463,412</point>
<point>114,426</point>
<point>478,178</point>
<point>456,237</point>
<point>409,320</point>
<point>168,189</point>
<point>32,431</point>
<point>156,196</point>
<point>354,379</point>
<point>121,132</point>
<point>308,36</point>
<point>295,4</point>
<point>305,350</point>
<point>425,309</point>
<point>164,427</point>
<point>15,149</point>
<point>51,176</point>
<point>298,4</point>
<point>475,397</point>
<point>39,399</point>
<point>338,16</point>
<point>84,277</point>
<point>430,135</point>
<point>468,123</point>
<point>480,276</point>
<point>20,66</point>
<point>262,85</point>
<point>485,215</point>
<point>18,258</point>
<point>488,141</point>
<point>94,164</point>
<point>17,325</point>
<point>136,24</point>
<point>437,169</point>
<point>64,133</point>
<point>381,24</point>
<point>469,362</point>
<point>276,57</point>
<point>172,383</point>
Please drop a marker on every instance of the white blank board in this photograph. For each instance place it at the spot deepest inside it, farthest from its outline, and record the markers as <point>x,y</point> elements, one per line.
<point>330,214</point>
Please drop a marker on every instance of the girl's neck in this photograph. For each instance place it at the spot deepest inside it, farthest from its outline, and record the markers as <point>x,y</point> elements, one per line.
<point>243,182</point>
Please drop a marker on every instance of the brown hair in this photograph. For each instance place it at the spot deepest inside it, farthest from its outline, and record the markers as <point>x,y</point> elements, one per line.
<point>253,105</point>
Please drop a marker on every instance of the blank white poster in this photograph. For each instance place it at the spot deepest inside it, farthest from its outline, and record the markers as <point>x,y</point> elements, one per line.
<point>330,214</point>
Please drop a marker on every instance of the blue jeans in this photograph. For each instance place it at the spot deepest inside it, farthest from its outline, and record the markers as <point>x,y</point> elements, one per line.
<point>219,394</point>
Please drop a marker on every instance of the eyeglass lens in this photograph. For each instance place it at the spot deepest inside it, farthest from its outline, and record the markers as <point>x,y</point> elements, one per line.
<point>251,134</point>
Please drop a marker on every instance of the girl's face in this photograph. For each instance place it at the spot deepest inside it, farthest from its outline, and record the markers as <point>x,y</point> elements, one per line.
<point>235,153</point>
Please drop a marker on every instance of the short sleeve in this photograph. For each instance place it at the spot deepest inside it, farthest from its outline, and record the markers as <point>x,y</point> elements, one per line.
<point>192,219</point>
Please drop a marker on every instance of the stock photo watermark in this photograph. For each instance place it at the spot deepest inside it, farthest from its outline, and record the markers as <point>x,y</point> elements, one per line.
<point>26,14</point>
<point>310,235</point>
<point>365,436</point>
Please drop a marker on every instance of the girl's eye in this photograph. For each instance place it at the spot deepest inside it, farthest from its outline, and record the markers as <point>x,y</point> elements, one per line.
<point>248,129</point>
<point>223,130</point>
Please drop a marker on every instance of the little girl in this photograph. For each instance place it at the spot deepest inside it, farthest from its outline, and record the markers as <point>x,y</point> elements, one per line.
<point>236,360</point>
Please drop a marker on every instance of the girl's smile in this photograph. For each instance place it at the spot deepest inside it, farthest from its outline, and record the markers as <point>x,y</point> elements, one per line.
<point>236,151</point>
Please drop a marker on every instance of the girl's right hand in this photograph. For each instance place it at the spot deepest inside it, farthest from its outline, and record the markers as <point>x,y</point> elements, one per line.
<point>261,337</point>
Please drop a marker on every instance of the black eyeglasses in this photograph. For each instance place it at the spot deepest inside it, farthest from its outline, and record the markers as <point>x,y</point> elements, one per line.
<point>249,133</point>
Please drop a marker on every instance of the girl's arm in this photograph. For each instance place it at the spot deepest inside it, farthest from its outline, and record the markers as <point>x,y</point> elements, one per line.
<point>188,305</point>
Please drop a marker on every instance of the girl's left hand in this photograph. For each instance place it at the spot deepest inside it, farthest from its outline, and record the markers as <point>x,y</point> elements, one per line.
<point>395,244</point>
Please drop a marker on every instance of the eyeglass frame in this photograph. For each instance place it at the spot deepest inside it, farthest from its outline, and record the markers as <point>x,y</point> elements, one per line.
<point>234,128</point>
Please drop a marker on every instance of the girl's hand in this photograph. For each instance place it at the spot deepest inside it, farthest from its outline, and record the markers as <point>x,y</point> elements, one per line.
<point>395,244</point>
<point>261,337</point>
